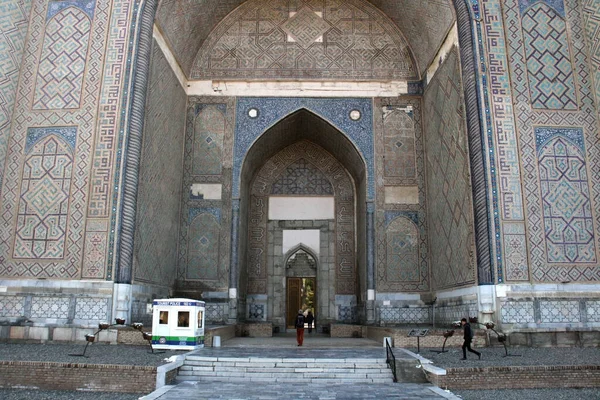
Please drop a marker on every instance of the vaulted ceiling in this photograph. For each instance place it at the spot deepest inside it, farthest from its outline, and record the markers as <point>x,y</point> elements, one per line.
<point>186,24</point>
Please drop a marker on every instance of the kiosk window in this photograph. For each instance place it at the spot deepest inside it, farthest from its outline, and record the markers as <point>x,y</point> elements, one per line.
<point>183,319</point>
<point>163,318</point>
<point>199,319</point>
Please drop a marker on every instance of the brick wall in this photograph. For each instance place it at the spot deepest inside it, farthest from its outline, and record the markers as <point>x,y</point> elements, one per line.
<point>348,331</point>
<point>71,376</point>
<point>225,332</point>
<point>254,330</point>
<point>527,377</point>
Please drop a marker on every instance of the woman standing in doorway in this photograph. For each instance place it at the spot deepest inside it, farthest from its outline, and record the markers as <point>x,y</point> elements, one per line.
<point>309,321</point>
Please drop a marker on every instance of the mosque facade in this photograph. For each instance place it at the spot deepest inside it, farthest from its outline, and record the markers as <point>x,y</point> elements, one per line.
<point>411,160</point>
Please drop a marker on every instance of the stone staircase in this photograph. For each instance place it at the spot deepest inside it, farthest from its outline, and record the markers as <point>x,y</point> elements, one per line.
<point>289,370</point>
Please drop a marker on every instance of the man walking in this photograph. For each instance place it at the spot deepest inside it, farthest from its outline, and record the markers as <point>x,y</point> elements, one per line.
<point>468,336</point>
<point>300,327</point>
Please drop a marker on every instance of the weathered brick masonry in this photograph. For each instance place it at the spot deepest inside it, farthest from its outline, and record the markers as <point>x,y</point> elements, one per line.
<point>73,376</point>
<point>523,377</point>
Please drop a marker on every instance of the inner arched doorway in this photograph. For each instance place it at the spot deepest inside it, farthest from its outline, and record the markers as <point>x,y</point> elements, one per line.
<point>298,197</point>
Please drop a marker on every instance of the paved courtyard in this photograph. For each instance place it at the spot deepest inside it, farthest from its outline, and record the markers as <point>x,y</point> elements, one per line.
<point>315,346</point>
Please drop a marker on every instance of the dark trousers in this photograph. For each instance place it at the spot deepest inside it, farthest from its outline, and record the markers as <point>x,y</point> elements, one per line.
<point>467,346</point>
<point>300,336</point>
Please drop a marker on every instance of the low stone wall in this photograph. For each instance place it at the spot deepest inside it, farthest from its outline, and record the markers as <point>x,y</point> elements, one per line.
<point>348,331</point>
<point>225,332</point>
<point>435,338</point>
<point>18,333</point>
<point>129,335</point>
<point>524,377</point>
<point>556,338</point>
<point>71,376</point>
<point>254,329</point>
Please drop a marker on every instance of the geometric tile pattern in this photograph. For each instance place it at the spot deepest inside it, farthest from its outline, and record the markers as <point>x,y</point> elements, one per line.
<point>222,109</point>
<point>14,18</point>
<point>405,315</point>
<point>45,194</point>
<point>203,252</point>
<point>515,251</point>
<point>557,5</point>
<point>402,236</point>
<point>160,176</point>
<point>549,65</point>
<point>208,141</point>
<point>591,18</point>
<point>215,312</point>
<point>567,212</point>
<point>584,117</point>
<point>593,311</point>
<point>94,255</point>
<point>446,314</point>
<point>84,119</point>
<point>559,311</point>
<point>106,158</point>
<point>12,306</point>
<point>302,178</point>
<point>504,126</point>
<point>450,211</point>
<point>517,312</point>
<point>256,312</point>
<point>62,65</point>
<point>400,114</point>
<point>305,27</point>
<point>91,309</point>
<point>330,167</point>
<point>399,142</point>
<point>346,313</point>
<point>50,307</point>
<point>358,42</point>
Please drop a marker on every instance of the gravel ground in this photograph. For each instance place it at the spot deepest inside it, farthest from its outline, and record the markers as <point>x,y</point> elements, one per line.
<point>530,394</point>
<point>493,356</point>
<point>98,353</point>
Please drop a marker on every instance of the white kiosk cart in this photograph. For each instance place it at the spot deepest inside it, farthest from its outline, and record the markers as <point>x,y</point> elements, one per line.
<point>177,324</point>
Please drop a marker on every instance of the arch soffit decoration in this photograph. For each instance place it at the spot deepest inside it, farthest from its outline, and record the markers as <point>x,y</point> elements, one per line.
<point>283,39</point>
<point>315,114</point>
<point>297,248</point>
<point>319,158</point>
<point>186,27</point>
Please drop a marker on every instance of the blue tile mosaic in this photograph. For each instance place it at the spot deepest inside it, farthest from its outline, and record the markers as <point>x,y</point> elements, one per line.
<point>545,134</point>
<point>194,212</point>
<point>557,5</point>
<point>69,134</point>
<point>335,111</point>
<point>219,106</point>
<point>392,215</point>
<point>87,6</point>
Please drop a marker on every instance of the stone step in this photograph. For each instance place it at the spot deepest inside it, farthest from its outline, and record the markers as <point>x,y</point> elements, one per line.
<point>302,380</point>
<point>290,370</point>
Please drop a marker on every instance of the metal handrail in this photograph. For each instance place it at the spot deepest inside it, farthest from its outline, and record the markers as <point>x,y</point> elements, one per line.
<point>390,359</point>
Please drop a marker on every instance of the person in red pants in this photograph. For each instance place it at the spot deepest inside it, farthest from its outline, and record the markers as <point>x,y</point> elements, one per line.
<point>300,327</point>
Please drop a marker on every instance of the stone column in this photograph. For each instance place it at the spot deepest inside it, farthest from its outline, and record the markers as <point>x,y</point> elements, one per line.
<point>370,305</point>
<point>234,260</point>
<point>122,299</point>
<point>133,151</point>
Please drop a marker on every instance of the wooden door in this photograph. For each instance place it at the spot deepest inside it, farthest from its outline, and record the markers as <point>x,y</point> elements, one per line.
<point>294,299</point>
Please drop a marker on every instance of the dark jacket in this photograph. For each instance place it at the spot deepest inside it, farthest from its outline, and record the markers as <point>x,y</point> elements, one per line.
<point>309,319</point>
<point>467,332</point>
<point>299,321</point>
